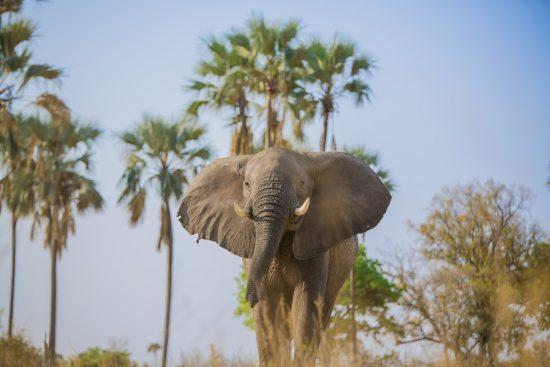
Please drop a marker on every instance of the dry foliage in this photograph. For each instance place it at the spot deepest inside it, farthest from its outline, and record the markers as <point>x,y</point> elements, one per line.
<point>477,291</point>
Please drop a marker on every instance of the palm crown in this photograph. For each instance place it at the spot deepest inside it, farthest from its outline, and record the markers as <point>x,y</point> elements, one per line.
<point>277,72</point>
<point>160,155</point>
<point>334,70</point>
<point>226,82</point>
<point>63,160</point>
<point>269,67</point>
<point>15,57</point>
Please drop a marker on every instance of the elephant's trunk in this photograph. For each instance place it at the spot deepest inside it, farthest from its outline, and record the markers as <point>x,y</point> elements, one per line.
<point>271,205</point>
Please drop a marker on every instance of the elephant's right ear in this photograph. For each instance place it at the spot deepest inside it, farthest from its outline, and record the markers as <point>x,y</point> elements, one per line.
<point>207,207</point>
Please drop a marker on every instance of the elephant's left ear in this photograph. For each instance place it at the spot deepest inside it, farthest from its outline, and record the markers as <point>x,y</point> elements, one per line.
<point>348,198</point>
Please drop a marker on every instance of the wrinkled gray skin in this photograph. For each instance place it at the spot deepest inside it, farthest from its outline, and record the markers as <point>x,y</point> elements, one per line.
<point>296,265</point>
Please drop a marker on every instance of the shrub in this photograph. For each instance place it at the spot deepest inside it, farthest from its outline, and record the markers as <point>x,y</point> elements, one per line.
<point>97,357</point>
<point>17,352</point>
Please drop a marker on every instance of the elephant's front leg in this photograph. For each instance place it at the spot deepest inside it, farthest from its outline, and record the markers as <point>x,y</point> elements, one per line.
<point>271,326</point>
<point>263,322</point>
<point>307,306</point>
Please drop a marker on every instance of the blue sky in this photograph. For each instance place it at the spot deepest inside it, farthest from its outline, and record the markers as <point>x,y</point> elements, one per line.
<point>461,92</point>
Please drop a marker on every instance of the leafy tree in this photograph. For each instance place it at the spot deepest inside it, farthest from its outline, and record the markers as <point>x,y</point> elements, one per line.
<point>62,187</point>
<point>160,154</point>
<point>535,285</point>
<point>226,82</point>
<point>468,293</point>
<point>16,73</point>
<point>336,70</point>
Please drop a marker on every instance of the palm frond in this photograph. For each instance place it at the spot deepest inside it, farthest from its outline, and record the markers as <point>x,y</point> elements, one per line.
<point>10,6</point>
<point>136,206</point>
<point>57,109</point>
<point>88,196</point>
<point>14,34</point>
<point>358,89</point>
<point>194,107</point>
<point>361,64</point>
<point>39,71</point>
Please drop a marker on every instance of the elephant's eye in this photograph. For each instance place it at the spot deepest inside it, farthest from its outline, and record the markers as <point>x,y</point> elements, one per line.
<point>246,184</point>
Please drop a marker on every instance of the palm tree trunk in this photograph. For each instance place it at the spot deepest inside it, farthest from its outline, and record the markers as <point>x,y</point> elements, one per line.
<point>13,263</point>
<point>353,322</point>
<point>243,143</point>
<point>279,130</point>
<point>268,132</point>
<point>168,286</point>
<point>53,303</point>
<point>323,141</point>
<point>246,144</point>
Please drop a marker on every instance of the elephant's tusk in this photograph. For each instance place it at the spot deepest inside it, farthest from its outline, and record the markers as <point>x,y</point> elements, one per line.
<point>303,209</point>
<point>240,212</point>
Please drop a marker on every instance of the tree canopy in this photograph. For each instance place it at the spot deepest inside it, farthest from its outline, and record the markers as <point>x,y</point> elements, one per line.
<point>480,250</point>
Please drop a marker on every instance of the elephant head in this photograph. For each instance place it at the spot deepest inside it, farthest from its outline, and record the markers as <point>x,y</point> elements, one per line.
<point>247,203</point>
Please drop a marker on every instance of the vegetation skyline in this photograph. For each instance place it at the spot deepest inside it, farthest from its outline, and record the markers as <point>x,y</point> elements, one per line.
<point>117,111</point>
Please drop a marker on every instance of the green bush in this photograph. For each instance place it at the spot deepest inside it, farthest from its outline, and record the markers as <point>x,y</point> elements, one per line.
<point>97,357</point>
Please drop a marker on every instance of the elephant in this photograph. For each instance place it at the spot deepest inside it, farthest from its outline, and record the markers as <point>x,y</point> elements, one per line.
<point>293,217</point>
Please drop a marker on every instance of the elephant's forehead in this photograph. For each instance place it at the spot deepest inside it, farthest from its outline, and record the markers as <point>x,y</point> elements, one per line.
<point>278,159</point>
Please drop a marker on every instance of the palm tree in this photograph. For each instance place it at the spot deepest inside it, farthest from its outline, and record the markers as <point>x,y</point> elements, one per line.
<point>295,101</point>
<point>371,159</point>
<point>16,72</point>
<point>226,83</point>
<point>336,70</point>
<point>62,187</point>
<point>160,154</point>
<point>16,193</point>
<point>276,70</point>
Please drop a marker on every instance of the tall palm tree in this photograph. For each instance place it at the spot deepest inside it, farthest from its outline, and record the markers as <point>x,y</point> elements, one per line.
<point>160,154</point>
<point>295,103</point>
<point>276,70</point>
<point>62,187</point>
<point>371,159</point>
<point>226,83</point>
<point>16,193</point>
<point>16,72</point>
<point>336,70</point>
